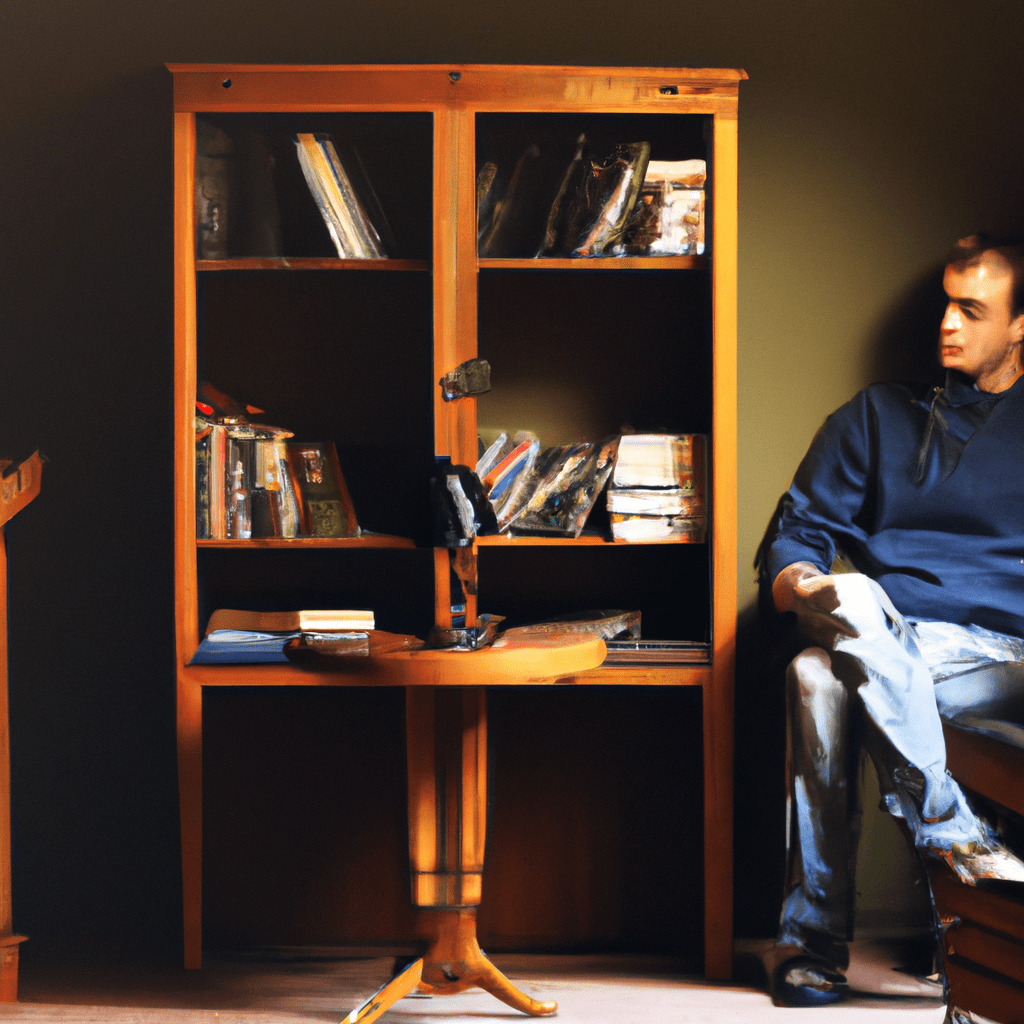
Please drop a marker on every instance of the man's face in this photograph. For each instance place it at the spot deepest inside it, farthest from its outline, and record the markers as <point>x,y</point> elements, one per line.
<point>978,336</point>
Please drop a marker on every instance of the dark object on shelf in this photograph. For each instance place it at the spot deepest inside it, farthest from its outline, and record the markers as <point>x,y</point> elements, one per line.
<point>215,189</point>
<point>596,198</point>
<point>460,507</point>
<point>213,404</point>
<point>504,202</point>
<point>472,377</point>
<point>467,638</point>
<point>236,210</point>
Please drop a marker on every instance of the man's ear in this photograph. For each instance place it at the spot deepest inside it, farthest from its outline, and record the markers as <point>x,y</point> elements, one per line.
<point>1017,327</point>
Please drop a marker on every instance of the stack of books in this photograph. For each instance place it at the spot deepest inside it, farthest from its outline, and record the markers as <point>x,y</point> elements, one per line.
<point>252,480</point>
<point>657,488</point>
<point>235,637</point>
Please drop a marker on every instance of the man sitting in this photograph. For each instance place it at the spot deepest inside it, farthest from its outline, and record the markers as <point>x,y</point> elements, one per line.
<point>923,494</point>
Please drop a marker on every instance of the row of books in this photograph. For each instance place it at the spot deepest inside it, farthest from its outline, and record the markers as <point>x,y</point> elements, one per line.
<point>254,480</point>
<point>612,200</point>
<point>656,485</point>
<point>236,202</point>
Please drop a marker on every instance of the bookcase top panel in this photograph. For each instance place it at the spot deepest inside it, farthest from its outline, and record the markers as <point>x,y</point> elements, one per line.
<point>233,87</point>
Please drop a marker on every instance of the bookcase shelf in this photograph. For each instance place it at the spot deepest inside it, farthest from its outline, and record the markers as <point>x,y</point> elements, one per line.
<point>505,540</point>
<point>363,541</point>
<point>598,263</point>
<point>351,351</point>
<point>284,675</point>
<point>309,263</point>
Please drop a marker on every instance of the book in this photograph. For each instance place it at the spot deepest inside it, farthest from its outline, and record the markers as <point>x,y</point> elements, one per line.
<point>660,460</point>
<point>504,469</point>
<point>275,503</point>
<point>310,620</point>
<point>351,230</point>
<point>655,501</point>
<point>564,485</point>
<point>596,198</point>
<point>639,529</point>
<point>657,489</point>
<point>638,651</point>
<point>247,646</point>
<point>609,624</point>
<point>668,219</point>
<point>324,505</point>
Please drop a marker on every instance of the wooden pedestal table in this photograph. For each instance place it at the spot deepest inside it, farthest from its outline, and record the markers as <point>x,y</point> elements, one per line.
<point>446,736</point>
<point>19,484</point>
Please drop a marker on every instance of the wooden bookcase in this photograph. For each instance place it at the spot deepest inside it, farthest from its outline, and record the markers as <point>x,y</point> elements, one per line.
<point>351,351</point>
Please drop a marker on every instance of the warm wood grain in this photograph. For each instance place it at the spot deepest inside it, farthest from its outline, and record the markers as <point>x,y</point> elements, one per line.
<point>19,486</point>
<point>454,95</point>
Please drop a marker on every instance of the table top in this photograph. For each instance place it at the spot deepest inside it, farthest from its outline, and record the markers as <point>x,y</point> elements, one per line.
<point>521,655</point>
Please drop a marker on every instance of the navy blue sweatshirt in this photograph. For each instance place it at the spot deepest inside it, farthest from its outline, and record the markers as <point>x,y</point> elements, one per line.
<point>926,496</point>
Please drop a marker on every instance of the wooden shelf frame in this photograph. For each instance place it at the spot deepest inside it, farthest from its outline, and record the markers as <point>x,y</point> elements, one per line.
<point>454,95</point>
<point>19,485</point>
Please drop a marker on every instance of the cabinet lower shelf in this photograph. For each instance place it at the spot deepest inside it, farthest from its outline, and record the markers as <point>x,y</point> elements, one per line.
<point>288,675</point>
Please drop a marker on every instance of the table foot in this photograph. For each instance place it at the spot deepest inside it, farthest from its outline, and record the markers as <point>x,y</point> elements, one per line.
<point>453,962</point>
<point>387,995</point>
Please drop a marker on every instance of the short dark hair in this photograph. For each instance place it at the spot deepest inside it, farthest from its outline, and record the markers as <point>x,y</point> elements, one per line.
<point>971,250</point>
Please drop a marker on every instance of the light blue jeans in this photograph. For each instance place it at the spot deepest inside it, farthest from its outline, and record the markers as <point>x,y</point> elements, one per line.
<point>881,684</point>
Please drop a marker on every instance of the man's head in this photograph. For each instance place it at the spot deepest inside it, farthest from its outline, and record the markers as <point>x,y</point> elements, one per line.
<point>982,331</point>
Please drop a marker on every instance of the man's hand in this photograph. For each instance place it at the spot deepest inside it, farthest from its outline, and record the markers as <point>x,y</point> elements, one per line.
<point>804,589</point>
<point>783,589</point>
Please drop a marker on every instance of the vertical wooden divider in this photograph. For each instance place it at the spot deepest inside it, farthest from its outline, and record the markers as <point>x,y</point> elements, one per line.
<point>190,694</point>
<point>719,695</point>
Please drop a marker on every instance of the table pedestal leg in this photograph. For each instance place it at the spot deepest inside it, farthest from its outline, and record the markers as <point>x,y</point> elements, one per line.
<point>446,735</point>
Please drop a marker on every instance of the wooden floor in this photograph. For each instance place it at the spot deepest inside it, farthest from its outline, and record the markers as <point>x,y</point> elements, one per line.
<point>321,987</point>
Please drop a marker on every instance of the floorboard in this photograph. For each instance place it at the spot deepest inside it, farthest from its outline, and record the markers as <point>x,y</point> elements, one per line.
<point>322,987</point>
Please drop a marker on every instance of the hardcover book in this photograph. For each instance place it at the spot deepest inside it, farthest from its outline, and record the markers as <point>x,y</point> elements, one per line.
<point>324,505</point>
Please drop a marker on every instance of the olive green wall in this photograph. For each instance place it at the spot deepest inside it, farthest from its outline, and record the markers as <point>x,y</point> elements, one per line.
<point>872,134</point>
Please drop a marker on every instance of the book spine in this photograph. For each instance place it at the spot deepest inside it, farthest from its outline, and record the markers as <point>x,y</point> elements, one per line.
<point>310,163</point>
<point>365,235</point>
<point>216,487</point>
<point>203,485</point>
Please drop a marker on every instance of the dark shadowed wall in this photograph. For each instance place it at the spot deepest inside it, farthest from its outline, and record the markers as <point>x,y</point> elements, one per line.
<point>871,136</point>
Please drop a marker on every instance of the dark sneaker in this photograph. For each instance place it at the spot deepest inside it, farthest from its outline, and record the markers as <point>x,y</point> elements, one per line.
<point>803,981</point>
